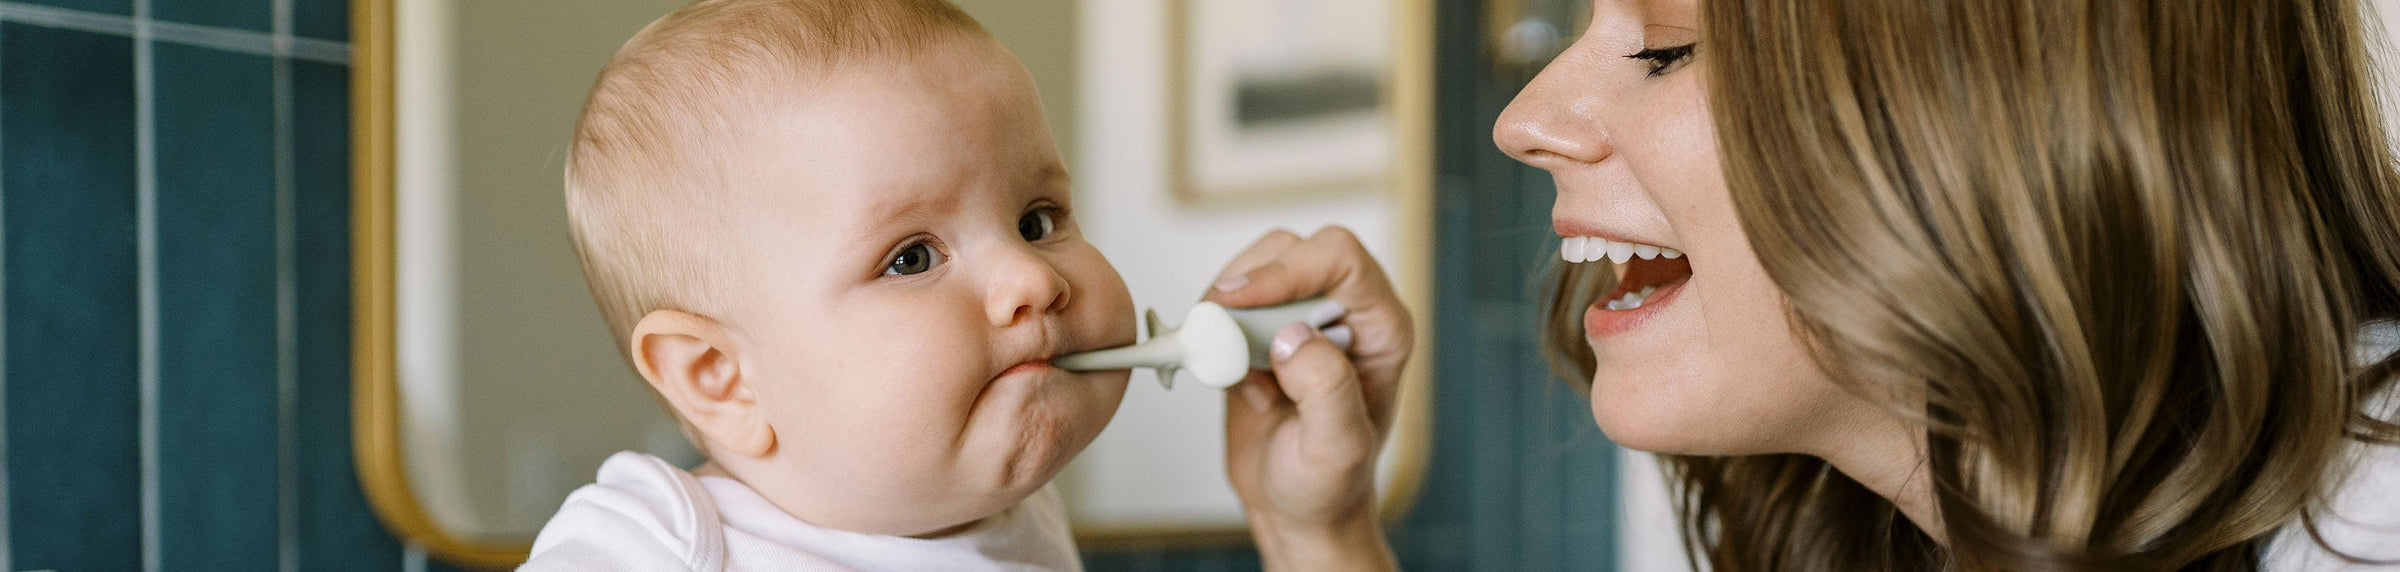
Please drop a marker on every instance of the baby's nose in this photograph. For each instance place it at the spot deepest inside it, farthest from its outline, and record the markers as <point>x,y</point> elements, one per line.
<point>1025,285</point>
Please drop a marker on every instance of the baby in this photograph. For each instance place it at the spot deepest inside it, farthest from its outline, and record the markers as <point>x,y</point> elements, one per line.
<point>837,240</point>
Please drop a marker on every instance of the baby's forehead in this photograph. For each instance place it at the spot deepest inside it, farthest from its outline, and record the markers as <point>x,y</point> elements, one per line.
<point>906,193</point>
<point>872,147</point>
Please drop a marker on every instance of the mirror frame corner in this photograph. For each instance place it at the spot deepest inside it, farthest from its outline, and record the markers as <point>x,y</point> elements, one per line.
<point>374,386</point>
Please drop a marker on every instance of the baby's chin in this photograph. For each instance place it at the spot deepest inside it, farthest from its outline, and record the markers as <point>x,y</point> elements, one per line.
<point>1075,417</point>
<point>1022,433</point>
<point>1028,429</point>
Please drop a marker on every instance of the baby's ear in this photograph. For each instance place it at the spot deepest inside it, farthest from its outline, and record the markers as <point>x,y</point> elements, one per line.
<point>693,364</point>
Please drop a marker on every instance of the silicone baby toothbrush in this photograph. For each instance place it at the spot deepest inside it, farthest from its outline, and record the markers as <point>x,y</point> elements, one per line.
<point>1216,344</point>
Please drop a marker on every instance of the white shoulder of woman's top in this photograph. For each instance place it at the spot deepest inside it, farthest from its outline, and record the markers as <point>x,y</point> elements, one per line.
<point>2376,340</point>
<point>642,513</point>
<point>2360,521</point>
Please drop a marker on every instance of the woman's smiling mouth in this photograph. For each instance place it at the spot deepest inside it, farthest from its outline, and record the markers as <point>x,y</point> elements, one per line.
<point>1648,278</point>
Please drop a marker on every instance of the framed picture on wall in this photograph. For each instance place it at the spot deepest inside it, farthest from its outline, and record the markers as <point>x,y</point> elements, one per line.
<point>1276,98</point>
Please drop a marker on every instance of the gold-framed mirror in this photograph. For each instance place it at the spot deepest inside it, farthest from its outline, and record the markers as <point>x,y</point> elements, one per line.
<point>472,100</point>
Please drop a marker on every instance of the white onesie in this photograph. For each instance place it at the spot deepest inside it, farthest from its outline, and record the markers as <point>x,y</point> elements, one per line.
<point>645,514</point>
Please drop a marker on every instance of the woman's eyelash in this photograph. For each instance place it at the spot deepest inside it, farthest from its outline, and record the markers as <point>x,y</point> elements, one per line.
<point>1663,60</point>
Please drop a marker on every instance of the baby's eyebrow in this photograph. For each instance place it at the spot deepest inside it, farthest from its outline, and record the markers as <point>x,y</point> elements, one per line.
<point>904,212</point>
<point>895,213</point>
<point>1048,174</point>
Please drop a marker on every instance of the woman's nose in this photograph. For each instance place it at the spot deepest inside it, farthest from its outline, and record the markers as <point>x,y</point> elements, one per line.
<point>1025,285</point>
<point>1553,122</point>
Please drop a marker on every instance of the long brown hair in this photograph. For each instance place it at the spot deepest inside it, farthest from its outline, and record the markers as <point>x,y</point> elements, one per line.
<point>2116,254</point>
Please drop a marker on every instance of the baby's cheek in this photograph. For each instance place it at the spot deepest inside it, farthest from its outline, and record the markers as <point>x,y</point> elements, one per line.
<point>1106,305</point>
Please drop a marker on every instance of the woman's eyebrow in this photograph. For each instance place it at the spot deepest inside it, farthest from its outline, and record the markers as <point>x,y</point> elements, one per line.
<point>1669,34</point>
<point>1676,14</point>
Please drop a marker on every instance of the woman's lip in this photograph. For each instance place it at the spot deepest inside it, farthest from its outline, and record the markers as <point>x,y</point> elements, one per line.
<point>1601,323</point>
<point>1566,228</point>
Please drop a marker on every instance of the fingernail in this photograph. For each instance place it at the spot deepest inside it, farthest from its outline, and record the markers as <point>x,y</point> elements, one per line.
<point>1341,336</point>
<point>1234,282</point>
<point>1326,313</point>
<point>1288,341</point>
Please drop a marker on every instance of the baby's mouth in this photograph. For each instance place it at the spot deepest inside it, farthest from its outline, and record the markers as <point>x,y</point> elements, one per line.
<point>1039,360</point>
<point>1034,365</point>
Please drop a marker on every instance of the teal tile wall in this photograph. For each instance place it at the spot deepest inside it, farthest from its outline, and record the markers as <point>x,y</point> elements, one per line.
<point>174,292</point>
<point>321,19</point>
<point>252,15</point>
<point>174,387</point>
<point>67,192</point>
<point>218,358</point>
<point>113,7</point>
<point>330,534</point>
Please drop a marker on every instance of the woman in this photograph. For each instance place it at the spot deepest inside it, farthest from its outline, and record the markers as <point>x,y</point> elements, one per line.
<point>1980,284</point>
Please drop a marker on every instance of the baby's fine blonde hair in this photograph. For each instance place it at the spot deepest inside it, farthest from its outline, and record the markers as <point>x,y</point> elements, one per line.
<point>646,170</point>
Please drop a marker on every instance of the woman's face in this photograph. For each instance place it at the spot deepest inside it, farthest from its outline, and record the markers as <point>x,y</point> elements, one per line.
<point>1706,362</point>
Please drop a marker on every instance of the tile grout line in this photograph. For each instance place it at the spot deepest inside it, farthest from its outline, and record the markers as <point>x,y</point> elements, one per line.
<point>145,135</point>
<point>7,546</point>
<point>55,17</point>
<point>412,557</point>
<point>226,39</point>
<point>287,410</point>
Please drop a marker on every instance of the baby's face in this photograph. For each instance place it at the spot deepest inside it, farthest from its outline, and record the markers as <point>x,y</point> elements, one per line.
<point>906,261</point>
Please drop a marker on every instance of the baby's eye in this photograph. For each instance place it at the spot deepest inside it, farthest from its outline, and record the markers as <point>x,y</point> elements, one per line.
<point>915,259</point>
<point>1037,225</point>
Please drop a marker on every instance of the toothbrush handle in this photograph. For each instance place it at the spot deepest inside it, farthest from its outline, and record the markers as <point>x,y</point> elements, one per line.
<point>1238,339</point>
<point>1259,325</point>
<point>1150,355</point>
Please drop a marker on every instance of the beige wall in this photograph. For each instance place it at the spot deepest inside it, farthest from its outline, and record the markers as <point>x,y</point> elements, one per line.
<point>540,395</point>
<point>1042,34</point>
<point>549,395</point>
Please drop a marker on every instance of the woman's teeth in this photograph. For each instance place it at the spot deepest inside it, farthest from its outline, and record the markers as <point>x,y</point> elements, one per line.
<point>1581,249</point>
<point>1631,300</point>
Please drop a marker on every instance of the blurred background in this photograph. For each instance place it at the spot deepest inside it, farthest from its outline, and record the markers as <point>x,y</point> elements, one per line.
<point>176,250</point>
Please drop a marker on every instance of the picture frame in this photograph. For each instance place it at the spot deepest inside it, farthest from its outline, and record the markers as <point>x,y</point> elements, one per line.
<point>1281,98</point>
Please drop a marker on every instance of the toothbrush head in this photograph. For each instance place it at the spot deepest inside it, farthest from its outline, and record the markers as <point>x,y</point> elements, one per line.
<point>1214,348</point>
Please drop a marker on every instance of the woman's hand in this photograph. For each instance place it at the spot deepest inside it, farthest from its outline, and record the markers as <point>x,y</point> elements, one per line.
<point>1300,443</point>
